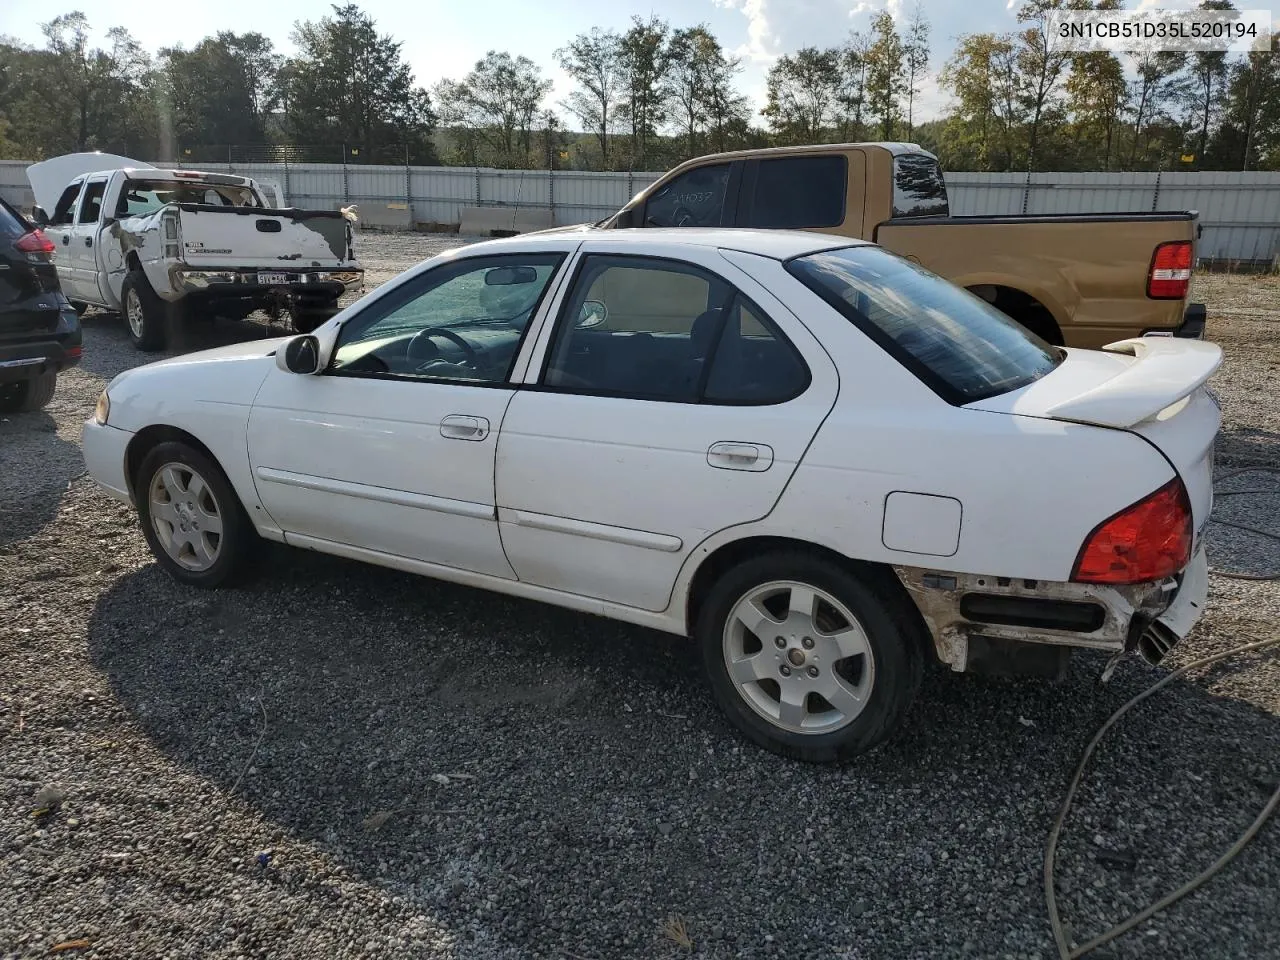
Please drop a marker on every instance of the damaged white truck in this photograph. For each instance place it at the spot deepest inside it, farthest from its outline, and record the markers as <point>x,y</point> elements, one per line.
<point>163,247</point>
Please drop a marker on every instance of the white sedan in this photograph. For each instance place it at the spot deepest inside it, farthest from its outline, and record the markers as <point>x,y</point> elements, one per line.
<point>824,463</point>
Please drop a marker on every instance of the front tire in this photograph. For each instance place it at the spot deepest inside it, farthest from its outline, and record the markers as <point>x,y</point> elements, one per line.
<point>28,396</point>
<point>192,520</point>
<point>806,659</point>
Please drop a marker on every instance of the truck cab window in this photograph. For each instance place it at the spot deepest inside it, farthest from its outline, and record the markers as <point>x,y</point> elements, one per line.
<point>918,187</point>
<point>798,193</point>
<point>65,210</point>
<point>91,205</point>
<point>693,199</point>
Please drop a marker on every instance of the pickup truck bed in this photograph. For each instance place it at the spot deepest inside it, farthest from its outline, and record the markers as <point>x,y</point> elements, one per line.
<point>1090,272</point>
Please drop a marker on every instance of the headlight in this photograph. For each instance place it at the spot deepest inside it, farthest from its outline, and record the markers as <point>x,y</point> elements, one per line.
<point>102,409</point>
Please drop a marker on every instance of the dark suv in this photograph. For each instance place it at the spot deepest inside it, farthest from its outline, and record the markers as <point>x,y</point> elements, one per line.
<point>39,329</point>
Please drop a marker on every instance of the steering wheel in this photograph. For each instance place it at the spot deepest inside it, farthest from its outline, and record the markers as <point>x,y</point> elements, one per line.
<point>424,336</point>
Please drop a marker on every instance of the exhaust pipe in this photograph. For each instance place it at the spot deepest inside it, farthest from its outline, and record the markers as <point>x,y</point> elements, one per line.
<point>1156,642</point>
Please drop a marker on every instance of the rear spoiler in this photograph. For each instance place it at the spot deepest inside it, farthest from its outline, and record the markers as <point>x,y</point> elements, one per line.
<point>1165,371</point>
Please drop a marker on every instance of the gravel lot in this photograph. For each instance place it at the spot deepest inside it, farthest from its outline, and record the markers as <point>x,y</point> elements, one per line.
<point>342,761</point>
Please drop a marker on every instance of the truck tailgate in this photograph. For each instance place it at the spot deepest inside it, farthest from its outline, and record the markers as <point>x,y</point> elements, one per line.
<point>218,236</point>
<point>1090,271</point>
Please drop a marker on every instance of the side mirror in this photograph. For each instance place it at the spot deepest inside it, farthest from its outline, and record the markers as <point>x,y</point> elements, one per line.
<point>300,355</point>
<point>39,216</point>
<point>592,314</point>
<point>628,218</point>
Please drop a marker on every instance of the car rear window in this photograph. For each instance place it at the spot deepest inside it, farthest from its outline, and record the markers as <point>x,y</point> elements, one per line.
<point>918,187</point>
<point>958,344</point>
<point>11,225</point>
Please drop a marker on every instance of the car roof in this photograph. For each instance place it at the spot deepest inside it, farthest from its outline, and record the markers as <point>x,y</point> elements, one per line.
<point>776,244</point>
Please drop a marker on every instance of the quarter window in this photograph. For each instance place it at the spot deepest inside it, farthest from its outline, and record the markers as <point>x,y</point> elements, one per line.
<point>460,321</point>
<point>652,329</point>
<point>696,198</point>
<point>799,193</point>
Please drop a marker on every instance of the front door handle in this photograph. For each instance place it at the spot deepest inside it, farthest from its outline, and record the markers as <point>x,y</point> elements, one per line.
<point>731,455</point>
<point>459,427</point>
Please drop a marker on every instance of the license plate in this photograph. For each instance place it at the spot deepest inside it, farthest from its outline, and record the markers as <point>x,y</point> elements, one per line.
<point>273,279</point>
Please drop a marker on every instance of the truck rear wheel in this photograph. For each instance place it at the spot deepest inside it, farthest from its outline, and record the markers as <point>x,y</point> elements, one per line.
<point>145,313</point>
<point>27,396</point>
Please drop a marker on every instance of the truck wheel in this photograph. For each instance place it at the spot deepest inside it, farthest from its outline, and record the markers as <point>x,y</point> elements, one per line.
<point>144,313</point>
<point>27,396</point>
<point>192,520</point>
<point>305,317</point>
<point>806,659</point>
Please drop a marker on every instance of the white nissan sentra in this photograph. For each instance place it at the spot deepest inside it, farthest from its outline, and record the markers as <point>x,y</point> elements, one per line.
<point>825,464</point>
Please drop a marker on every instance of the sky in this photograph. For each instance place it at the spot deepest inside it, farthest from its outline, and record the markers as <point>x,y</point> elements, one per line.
<point>444,38</point>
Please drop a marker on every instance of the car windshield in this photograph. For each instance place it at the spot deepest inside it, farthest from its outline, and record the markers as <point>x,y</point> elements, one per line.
<point>961,346</point>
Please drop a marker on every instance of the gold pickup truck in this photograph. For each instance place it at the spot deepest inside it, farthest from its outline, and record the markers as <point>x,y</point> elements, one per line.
<point>1076,280</point>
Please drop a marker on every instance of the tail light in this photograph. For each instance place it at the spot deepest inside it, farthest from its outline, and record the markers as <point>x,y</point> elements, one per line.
<point>1170,275</point>
<point>1148,541</point>
<point>35,242</point>
<point>171,233</point>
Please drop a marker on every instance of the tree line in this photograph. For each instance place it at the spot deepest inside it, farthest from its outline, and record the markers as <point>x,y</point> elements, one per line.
<point>644,98</point>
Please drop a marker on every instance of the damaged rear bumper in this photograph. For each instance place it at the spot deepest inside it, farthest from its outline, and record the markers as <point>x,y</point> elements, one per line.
<point>995,623</point>
<point>242,281</point>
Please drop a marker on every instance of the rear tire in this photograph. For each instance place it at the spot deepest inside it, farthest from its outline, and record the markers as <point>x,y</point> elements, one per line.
<point>27,396</point>
<point>829,679</point>
<point>145,314</point>
<point>192,520</point>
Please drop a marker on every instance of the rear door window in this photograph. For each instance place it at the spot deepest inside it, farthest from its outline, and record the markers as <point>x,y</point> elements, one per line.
<point>798,193</point>
<point>91,202</point>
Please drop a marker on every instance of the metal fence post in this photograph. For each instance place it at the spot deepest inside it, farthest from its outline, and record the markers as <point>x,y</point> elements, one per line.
<point>408,186</point>
<point>1155,197</point>
<point>346,182</point>
<point>477,186</point>
<point>551,192</point>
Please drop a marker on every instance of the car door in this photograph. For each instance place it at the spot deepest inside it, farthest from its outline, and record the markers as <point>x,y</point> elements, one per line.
<point>82,250</point>
<point>391,448</point>
<point>61,225</point>
<point>672,398</point>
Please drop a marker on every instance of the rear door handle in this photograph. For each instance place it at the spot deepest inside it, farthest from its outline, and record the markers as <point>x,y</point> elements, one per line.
<point>731,455</point>
<point>88,241</point>
<point>66,239</point>
<point>459,427</point>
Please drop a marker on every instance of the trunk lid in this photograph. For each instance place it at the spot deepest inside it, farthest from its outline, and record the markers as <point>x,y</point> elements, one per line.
<point>1151,386</point>
<point>217,236</point>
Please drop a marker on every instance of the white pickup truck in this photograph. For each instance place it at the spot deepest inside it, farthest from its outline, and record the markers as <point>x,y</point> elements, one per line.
<point>164,246</point>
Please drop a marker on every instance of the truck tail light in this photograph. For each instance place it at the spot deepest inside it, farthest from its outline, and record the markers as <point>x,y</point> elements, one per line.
<point>1147,541</point>
<point>1170,275</point>
<point>35,242</point>
<point>171,231</point>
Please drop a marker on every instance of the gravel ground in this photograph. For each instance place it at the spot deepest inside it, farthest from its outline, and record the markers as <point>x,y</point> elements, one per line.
<point>342,761</point>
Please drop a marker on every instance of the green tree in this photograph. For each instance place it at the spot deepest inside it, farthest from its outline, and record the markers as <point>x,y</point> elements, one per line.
<point>594,62</point>
<point>221,91</point>
<point>803,91</point>
<point>1097,98</point>
<point>885,75</point>
<point>1149,94</point>
<point>1042,64</point>
<point>916,56</point>
<point>695,58</point>
<point>348,84</point>
<point>726,110</point>
<point>984,128</point>
<point>498,100</point>
<point>1250,129</point>
<point>644,53</point>
<point>852,93</point>
<point>1201,89</point>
